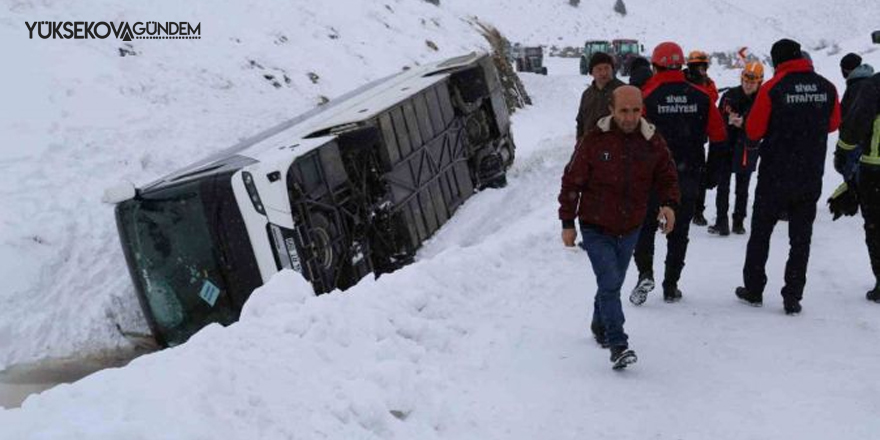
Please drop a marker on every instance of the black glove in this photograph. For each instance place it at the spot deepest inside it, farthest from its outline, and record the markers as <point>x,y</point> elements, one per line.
<point>844,201</point>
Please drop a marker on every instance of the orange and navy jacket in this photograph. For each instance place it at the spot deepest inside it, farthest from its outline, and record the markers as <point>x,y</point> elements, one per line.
<point>685,115</point>
<point>793,114</point>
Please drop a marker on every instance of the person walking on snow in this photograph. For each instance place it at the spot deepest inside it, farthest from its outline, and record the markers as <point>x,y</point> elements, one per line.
<point>685,115</point>
<point>739,156</point>
<point>595,99</point>
<point>793,114</point>
<point>605,187</point>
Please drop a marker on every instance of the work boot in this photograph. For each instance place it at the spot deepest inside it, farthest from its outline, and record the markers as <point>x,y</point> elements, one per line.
<point>753,300</point>
<point>671,294</point>
<point>720,227</point>
<point>874,294</point>
<point>792,308</point>
<point>738,227</point>
<point>699,219</point>
<point>621,356</point>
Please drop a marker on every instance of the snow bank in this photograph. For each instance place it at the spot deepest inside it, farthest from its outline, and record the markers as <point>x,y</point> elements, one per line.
<point>78,117</point>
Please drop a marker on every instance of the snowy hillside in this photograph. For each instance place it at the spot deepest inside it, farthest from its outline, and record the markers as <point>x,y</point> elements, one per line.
<point>696,24</point>
<point>78,117</point>
<point>485,336</point>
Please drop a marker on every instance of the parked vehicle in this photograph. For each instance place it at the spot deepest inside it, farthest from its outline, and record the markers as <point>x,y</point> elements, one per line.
<point>531,59</point>
<point>350,188</point>
<point>591,47</point>
<point>624,51</point>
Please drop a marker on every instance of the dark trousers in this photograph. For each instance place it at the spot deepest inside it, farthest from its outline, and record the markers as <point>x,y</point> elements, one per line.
<point>700,202</point>
<point>677,240</point>
<point>722,198</point>
<point>609,256</point>
<point>765,213</point>
<point>869,204</point>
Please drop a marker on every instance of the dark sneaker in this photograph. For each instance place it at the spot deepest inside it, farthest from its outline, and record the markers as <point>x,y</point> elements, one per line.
<point>719,229</point>
<point>643,287</point>
<point>699,219</point>
<point>599,335</point>
<point>621,357</point>
<point>671,295</point>
<point>792,308</point>
<point>748,298</point>
<point>874,294</point>
<point>738,227</point>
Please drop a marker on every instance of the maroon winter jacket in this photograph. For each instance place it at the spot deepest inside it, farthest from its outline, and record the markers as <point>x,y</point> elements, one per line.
<point>607,182</point>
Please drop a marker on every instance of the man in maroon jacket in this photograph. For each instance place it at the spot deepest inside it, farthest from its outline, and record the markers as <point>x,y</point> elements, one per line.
<point>606,186</point>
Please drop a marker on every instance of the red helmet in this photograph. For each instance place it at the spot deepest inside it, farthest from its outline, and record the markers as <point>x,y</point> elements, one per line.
<point>668,55</point>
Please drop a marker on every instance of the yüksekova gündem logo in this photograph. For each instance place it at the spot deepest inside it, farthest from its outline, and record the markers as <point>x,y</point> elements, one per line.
<point>141,30</point>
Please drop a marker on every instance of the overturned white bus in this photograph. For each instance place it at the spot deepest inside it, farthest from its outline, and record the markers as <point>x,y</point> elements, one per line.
<point>350,188</point>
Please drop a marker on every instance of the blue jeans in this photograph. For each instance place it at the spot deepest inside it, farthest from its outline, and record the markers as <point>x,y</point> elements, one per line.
<point>610,257</point>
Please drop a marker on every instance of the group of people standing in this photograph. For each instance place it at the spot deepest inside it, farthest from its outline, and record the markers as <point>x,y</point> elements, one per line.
<point>640,165</point>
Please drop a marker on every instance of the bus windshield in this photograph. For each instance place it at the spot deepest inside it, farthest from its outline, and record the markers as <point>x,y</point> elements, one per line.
<point>175,262</point>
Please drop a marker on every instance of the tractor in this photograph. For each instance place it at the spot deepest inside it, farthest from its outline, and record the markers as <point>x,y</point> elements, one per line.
<point>624,51</point>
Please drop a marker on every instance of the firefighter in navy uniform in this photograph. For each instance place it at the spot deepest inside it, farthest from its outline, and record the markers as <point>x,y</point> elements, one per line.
<point>740,156</point>
<point>685,115</point>
<point>862,127</point>
<point>793,114</point>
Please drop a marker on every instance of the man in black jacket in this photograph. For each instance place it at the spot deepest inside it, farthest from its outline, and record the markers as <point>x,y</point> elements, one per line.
<point>793,114</point>
<point>862,127</point>
<point>855,78</point>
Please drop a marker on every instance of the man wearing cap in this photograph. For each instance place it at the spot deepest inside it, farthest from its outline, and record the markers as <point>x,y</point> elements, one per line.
<point>854,72</point>
<point>792,115</point>
<point>595,100</point>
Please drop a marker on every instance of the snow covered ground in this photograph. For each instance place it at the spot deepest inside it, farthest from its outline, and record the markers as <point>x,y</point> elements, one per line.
<point>486,335</point>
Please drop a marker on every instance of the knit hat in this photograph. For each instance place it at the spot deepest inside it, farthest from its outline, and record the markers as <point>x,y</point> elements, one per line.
<point>639,76</point>
<point>639,62</point>
<point>600,58</point>
<point>849,62</point>
<point>785,50</point>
